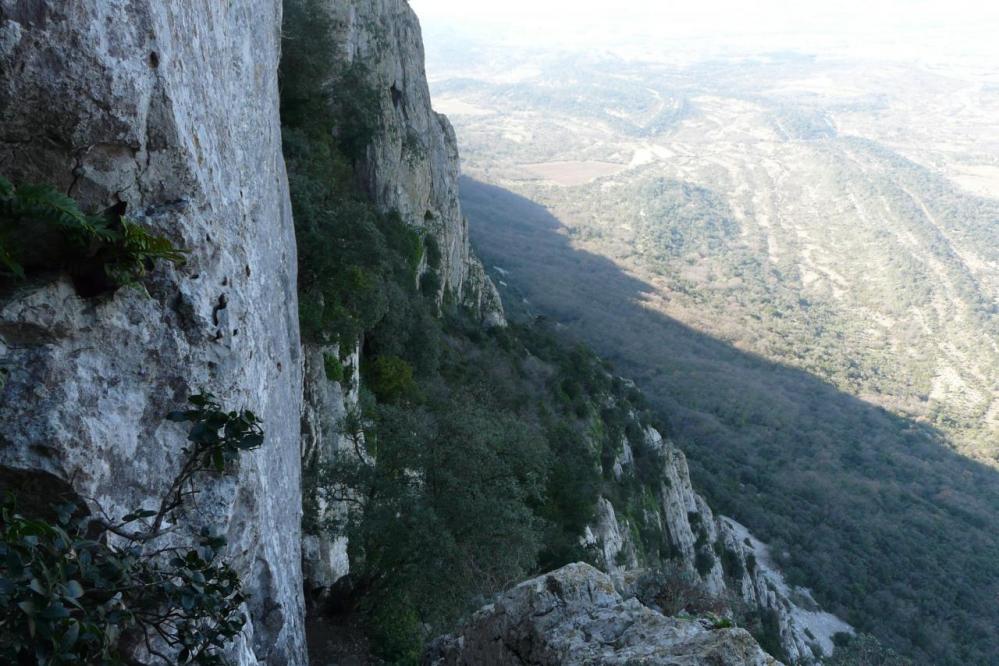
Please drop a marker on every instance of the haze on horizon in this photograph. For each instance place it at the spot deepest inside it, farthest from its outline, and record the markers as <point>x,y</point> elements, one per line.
<point>934,32</point>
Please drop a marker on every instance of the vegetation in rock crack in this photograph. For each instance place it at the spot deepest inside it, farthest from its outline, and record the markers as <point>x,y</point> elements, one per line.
<point>674,590</point>
<point>43,230</point>
<point>92,589</point>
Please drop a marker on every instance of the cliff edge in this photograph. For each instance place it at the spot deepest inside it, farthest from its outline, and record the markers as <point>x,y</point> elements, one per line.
<point>168,111</point>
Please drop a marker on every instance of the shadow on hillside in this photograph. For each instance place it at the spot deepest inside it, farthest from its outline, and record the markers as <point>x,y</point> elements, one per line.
<point>894,530</point>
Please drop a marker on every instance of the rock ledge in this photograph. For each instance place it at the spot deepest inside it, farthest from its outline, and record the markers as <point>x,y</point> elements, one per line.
<point>575,616</point>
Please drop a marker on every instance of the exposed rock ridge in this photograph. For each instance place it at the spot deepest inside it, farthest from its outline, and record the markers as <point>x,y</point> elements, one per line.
<point>688,523</point>
<point>575,616</point>
<point>412,166</point>
<point>170,108</point>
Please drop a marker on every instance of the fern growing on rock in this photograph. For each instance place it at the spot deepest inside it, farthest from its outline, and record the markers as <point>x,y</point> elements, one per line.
<point>43,230</point>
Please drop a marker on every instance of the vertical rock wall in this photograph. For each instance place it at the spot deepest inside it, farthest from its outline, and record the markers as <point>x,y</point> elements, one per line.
<point>326,403</point>
<point>170,109</point>
<point>411,167</point>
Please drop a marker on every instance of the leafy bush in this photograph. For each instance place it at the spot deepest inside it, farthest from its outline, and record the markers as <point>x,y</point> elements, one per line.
<point>732,564</point>
<point>394,628</point>
<point>96,590</point>
<point>430,284</point>
<point>333,368</point>
<point>390,378</point>
<point>766,631</point>
<point>433,252</point>
<point>673,590</point>
<point>570,496</point>
<point>704,561</point>
<point>43,230</point>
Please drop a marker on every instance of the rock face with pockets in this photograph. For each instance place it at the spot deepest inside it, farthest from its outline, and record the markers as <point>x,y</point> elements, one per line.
<point>170,111</point>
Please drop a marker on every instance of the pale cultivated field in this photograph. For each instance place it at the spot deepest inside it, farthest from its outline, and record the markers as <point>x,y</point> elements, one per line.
<point>573,173</point>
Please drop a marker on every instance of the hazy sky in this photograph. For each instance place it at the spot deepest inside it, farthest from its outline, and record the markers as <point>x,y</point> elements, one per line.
<point>903,28</point>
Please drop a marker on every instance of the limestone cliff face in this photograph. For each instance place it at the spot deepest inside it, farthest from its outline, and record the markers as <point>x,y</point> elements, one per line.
<point>326,403</point>
<point>171,109</point>
<point>576,616</point>
<point>695,533</point>
<point>412,165</point>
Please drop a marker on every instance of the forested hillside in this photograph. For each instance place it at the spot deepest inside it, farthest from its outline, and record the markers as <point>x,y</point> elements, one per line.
<point>469,453</point>
<point>466,453</point>
<point>813,310</point>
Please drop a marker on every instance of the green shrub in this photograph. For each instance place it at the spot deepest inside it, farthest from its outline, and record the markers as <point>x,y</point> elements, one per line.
<point>71,594</point>
<point>433,251</point>
<point>732,564</point>
<point>390,378</point>
<point>767,634</point>
<point>673,590</point>
<point>394,629</point>
<point>430,284</point>
<point>334,369</point>
<point>704,561</point>
<point>44,230</point>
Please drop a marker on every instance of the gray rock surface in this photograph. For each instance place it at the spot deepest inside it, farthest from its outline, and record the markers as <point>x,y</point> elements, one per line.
<point>690,526</point>
<point>575,616</point>
<point>412,166</point>
<point>170,108</point>
<point>325,404</point>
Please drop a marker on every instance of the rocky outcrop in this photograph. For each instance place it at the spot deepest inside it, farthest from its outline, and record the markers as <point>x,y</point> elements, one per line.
<point>170,110</point>
<point>326,403</point>
<point>575,616</point>
<point>804,628</point>
<point>720,551</point>
<point>412,166</point>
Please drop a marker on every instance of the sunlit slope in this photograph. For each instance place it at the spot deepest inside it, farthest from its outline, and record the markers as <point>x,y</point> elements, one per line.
<point>760,223</point>
<point>804,286</point>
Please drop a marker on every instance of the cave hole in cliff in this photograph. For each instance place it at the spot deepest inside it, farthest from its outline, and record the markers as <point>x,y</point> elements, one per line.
<point>36,493</point>
<point>396,96</point>
<point>267,613</point>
